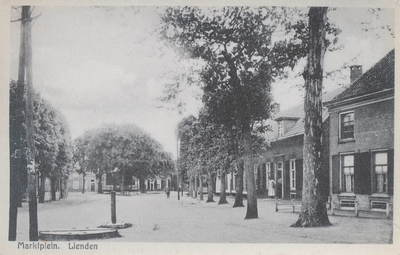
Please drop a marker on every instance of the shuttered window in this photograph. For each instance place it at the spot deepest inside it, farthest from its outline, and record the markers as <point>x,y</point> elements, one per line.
<point>380,169</point>
<point>390,175</point>
<point>347,173</point>
<point>299,174</point>
<point>335,174</point>
<point>292,174</point>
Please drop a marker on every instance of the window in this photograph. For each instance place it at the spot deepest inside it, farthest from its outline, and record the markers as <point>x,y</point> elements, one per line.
<point>279,169</point>
<point>380,172</point>
<point>292,174</point>
<point>348,173</point>
<point>255,175</point>
<point>347,125</point>
<point>280,129</point>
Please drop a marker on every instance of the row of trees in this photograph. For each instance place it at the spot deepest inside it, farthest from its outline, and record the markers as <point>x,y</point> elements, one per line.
<point>124,148</point>
<point>208,150</point>
<point>52,144</point>
<point>241,60</point>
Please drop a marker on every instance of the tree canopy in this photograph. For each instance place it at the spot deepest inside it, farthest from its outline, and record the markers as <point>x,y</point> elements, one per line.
<point>125,147</point>
<point>241,61</point>
<point>52,137</point>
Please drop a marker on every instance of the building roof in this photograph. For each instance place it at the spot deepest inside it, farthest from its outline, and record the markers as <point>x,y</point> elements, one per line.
<point>298,113</point>
<point>377,78</point>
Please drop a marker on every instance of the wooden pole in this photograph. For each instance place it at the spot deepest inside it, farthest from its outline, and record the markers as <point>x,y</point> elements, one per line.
<point>113,208</point>
<point>16,162</point>
<point>33,220</point>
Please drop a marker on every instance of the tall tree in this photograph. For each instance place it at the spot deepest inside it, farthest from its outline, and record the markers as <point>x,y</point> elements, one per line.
<point>241,61</point>
<point>313,210</point>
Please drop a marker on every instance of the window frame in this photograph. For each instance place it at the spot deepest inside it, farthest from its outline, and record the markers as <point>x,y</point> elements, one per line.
<point>340,126</point>
<point>280,129</point>
<point>292,171</point>
<point>373,174</point>
<point>342,175</point>
<point>256,175</point>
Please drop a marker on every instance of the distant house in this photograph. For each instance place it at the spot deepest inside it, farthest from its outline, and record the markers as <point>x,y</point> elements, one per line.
<point>361,140</point>
<point>283,161</point>
<point>75,182</point>
<point>112,181</point>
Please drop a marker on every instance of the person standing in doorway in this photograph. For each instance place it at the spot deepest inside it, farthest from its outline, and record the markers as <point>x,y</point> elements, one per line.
<point>271,187</point>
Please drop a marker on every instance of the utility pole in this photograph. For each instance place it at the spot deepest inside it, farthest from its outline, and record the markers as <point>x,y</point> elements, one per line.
<point>177,166</point>
<point>25,75</point>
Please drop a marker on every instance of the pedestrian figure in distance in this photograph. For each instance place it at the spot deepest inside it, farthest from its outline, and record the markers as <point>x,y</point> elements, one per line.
<point>167,191</point>
<point>271,187</point>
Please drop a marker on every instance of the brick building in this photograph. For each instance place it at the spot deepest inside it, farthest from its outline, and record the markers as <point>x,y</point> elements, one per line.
<point>361,140</point>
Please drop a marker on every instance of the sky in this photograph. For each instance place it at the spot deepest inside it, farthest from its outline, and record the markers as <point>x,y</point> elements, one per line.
<point>106,65</point>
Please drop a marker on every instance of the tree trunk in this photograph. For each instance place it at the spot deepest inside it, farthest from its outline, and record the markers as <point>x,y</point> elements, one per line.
<point>252,212</point>
<point>182,183</point>
<point>239,186</point>
<point>61,188</point>
<point>65,188</point>
<point>201,187</point>
<point>222,197</point>
<point>53,188</point>
<point>313,210</point>
<point>122,184</point>
<point>100,185</point>
<point>142,185</point>
<point>83,182</point>
<point>195,187</point>
<point>42,190</point>
<point>190,187</point>
<point>210,185</point>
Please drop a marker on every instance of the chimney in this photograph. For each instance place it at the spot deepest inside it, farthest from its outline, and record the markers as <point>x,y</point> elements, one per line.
<point>276,108</point>
<point>355,72</point>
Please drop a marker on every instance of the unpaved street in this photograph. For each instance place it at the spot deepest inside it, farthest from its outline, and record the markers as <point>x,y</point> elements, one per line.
<point>158,219</point>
